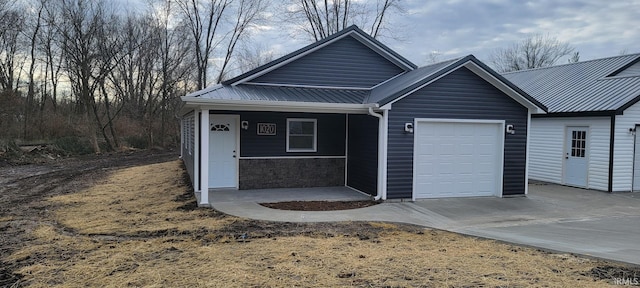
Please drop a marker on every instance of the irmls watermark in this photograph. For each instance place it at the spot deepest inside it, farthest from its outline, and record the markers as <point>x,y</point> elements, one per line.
<point>626,281</point>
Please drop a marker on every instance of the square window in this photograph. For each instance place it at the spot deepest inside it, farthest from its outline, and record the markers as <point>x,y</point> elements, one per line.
<point>578,143</point>
<point>301,135</point>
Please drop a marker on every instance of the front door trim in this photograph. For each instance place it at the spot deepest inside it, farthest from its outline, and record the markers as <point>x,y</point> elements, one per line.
<point>579,161</point>
<point>236,126</point>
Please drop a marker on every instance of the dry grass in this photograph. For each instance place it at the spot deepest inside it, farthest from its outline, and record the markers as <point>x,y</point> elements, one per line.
<point>6,219</point>
<point>106,237</point>
<point>133,200</point>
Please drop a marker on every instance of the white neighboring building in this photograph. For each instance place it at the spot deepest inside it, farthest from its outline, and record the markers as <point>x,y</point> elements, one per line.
<point>574,144</point>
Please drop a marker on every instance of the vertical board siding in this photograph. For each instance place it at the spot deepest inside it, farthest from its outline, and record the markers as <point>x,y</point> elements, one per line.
<point>362,153</point>
<point>547,149</point>
<point>330,134</point>
<point>460,95</point>
<point>344,63</point>
<point>623,149</point>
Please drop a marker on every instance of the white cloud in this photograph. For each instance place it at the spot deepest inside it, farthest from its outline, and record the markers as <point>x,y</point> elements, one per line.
<point>597,28</point>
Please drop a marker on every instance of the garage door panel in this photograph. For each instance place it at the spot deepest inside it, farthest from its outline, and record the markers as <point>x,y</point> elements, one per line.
<point>457,159</point>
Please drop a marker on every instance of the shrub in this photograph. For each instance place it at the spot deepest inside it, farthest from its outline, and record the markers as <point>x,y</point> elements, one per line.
<point>138,142</point>
<point>73,145</point>
<point>9,149</point>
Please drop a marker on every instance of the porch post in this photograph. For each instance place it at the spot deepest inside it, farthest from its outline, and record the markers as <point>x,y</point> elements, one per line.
<point>204,158</point>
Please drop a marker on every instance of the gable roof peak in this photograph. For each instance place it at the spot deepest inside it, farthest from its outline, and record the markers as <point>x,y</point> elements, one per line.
<point>353,31</point>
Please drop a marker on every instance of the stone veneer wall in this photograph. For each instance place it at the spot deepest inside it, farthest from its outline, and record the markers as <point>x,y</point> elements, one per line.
<point>291,173</point>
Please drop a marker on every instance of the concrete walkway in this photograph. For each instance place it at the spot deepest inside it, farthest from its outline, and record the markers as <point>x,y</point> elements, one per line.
<point>551,217</point>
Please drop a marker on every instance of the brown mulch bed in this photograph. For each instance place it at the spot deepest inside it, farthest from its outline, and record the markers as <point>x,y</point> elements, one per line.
<point>319,205</point>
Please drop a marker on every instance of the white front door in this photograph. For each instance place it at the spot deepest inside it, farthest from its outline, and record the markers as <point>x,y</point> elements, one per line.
<point>636,161</point>
<point>223,164</point>
<point>576,156</point>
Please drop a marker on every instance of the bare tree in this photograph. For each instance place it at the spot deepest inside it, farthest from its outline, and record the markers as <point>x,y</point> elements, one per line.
<point>247,12</point>
<point>434,57</point>
<point>534,51</point>
<point>216,26</point>
<point>49,40</point>
<point>35,25</point>
<point>251,56</point>
<point>204,20</point>
<point>122,70</point>
<point>173,68</point>
<point>11,25</point>
<point>90,44</point>
<point>319,19</point>
<point>575,57</point>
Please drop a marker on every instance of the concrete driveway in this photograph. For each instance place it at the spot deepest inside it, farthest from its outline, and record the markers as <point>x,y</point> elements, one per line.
<point>551,217</point>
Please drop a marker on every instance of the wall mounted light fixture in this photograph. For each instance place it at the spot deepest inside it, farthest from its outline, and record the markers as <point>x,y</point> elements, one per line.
<point>408,127</point>
<point>510,129</point>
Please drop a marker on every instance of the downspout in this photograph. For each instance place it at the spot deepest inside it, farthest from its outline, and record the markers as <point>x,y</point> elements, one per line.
<point>612,133</point>
<point>380,152</point>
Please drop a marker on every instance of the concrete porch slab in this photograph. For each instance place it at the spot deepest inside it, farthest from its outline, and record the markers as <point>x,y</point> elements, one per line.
<point>285,195</point>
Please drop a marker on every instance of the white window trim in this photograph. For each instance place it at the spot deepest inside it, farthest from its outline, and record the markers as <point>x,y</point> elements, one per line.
<point>315,134</point>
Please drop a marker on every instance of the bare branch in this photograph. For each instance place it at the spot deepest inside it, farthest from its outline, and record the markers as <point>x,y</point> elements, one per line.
<point>318,22</point>
<point>534,51</point>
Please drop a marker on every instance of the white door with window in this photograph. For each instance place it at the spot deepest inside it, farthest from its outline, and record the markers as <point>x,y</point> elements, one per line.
<point>576,158</point>
<point>223,164</point>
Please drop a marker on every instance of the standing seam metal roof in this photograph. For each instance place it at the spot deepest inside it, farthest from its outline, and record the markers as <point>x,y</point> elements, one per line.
<point>581,87</point>
<point>382,94</point>
<point>278,93</point>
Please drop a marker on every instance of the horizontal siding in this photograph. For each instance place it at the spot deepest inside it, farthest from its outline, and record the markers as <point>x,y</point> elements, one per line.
<point>547,146</point>
<point>331,134</point>
<point>344,63</point>
<point>459,95</point>
<point>362,153</point>
<point>623,154</point>
<point>188,142</point>
<point>545,151</point>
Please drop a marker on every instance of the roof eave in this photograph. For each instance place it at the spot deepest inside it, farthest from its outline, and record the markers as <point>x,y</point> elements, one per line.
<point>601,113</point>
<point>276,106</point>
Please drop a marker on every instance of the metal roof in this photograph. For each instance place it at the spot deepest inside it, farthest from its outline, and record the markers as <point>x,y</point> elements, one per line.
<point>284,94</point>
<point>589,86</point>
<point>380,95</point>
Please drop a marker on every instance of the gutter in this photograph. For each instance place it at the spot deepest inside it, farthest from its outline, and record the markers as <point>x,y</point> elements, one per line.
<point>380,152</point>
<point>262,105</point>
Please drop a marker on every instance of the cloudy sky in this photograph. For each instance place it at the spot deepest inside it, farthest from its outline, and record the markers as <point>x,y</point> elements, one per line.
<point>596,28</point>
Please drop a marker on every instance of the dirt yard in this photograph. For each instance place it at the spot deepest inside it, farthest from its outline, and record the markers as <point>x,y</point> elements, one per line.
<point>130,219</point>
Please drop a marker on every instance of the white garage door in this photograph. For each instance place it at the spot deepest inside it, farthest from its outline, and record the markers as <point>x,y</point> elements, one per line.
<point>457,158</point>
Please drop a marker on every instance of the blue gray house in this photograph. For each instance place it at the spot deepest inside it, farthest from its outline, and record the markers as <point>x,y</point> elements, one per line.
<point>349,111</point>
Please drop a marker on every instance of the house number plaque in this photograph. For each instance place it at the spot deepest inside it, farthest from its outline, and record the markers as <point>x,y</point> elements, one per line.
<point>266,128</point>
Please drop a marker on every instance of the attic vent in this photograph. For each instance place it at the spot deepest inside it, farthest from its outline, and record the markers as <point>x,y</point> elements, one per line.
<point>632,70</point>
